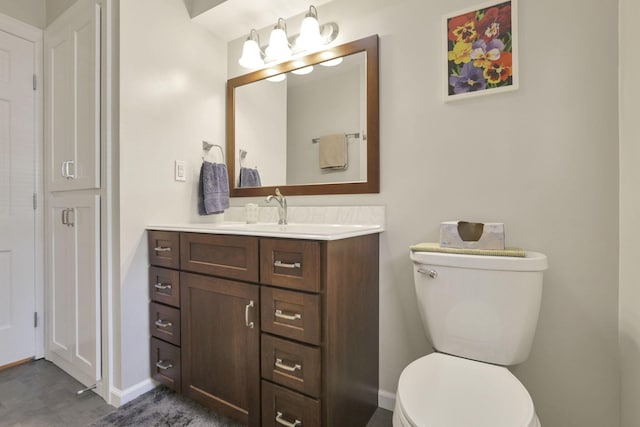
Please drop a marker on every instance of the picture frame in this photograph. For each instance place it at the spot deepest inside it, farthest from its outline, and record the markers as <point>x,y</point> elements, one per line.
<point>481,50</point>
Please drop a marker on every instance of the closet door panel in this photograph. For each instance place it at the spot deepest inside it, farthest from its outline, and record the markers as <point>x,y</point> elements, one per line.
<point>72,99</point>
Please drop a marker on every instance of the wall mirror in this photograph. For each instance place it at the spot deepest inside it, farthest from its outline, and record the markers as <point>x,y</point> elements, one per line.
<point>308,126</point>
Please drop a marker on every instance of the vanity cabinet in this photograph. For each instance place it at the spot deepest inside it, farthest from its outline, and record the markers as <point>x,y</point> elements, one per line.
<point>273,331</point>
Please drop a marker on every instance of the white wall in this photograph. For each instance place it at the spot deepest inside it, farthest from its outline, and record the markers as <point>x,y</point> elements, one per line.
<point>543,160</point>
<point>32,12</point>
<point>172,91</point>
<point>629,214</point>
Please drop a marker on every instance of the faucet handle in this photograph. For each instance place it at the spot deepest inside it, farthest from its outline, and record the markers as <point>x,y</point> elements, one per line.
<point>278,193</point>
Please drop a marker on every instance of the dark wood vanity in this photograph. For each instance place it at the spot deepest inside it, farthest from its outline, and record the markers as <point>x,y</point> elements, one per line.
<point>269,331</point>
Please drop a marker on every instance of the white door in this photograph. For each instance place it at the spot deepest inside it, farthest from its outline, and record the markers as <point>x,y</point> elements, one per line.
<point>73,284</point>
<point>17,187</point>
<point>72,99</point>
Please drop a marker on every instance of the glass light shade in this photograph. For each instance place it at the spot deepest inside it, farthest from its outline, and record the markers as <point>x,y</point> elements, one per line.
<point>304,70</point>
<point>277,78</point>
<point>251,57</point>
<point>278,48</point>
<point>332,62</point>
<point>309,37</point>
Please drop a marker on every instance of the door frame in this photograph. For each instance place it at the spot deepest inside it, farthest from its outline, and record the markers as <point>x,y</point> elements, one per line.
<point>35,35</point>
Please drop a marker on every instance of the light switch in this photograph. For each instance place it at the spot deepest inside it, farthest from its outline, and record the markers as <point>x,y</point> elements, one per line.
<point>180,171</point>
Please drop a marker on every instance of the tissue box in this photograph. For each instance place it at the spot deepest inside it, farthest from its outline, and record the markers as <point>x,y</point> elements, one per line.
<point>472,235</point>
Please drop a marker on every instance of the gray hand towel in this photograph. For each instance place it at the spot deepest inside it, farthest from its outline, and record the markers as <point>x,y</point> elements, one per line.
<point>249,178</point>
<point>213,188</point>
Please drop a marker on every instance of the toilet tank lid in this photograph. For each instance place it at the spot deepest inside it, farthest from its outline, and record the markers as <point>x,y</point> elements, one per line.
<point>532,261</point>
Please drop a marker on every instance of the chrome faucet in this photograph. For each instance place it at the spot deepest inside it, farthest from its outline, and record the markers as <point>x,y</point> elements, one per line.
<point>282,206</point>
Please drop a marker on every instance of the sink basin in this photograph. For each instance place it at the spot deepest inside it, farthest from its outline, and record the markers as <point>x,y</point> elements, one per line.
<point>298,230</point>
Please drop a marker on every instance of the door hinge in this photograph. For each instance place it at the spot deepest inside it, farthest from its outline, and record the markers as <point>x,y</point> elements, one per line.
<point>35,82</point>
<point>35,319</point>
<point>35,201</point>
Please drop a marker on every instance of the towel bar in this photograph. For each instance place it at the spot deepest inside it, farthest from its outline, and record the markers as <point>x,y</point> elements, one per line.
<point>348,135</point>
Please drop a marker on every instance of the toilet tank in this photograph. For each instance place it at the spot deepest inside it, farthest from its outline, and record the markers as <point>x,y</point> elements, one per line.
<point>480,307</point>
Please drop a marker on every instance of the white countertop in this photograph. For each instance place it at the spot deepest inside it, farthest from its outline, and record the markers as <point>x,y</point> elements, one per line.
<point>291,231</point>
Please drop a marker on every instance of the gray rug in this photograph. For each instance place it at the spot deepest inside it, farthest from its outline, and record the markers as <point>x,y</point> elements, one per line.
<point>163,407</point>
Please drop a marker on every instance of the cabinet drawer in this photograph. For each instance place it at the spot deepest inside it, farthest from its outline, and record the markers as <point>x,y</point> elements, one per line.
<point>234,257</point>
<point>290,263</point>
<point>164,322</point>
<point>165,363</point>
<point>290,314</point>
<point>164,248</point>
<point>164,286</point>
<point>282,407</point>
<point>291,364</point>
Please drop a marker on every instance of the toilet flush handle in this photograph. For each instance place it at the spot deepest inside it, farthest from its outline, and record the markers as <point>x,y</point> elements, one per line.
<point>431,274</point>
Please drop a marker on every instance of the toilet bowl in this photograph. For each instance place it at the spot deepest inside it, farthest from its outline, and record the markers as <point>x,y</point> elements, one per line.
<point>480,314</point>
<point>440,390</point>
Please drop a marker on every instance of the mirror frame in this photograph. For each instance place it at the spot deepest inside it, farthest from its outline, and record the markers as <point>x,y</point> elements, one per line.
<point>372,185</point>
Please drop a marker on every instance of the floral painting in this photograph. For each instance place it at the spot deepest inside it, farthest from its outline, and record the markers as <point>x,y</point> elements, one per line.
<point>481,51</point>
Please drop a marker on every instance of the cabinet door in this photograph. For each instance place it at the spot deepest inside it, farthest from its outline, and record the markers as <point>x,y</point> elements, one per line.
<point>72,99</point>
<point>220,345</point>
<point>73,285</point>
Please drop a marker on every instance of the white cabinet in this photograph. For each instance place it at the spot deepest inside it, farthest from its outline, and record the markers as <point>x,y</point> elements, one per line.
<point>72,99</point>
<point>73,284</point>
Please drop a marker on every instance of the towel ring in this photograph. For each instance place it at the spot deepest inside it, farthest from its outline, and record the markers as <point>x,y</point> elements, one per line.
<point>206,147</point>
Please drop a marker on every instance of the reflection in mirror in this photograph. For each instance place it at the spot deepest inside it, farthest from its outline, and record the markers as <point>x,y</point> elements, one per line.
<point>315,131</point>
<point>279,126</point>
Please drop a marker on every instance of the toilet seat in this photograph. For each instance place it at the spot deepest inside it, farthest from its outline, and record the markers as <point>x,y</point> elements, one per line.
<point>439,390</point>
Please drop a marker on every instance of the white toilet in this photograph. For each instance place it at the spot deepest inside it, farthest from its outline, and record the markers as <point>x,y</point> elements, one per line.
<point>480,313</point>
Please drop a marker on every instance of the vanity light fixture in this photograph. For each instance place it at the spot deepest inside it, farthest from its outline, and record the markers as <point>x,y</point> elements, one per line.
<point>251,53</point>
<point>278,49</point>
<point>312,36</point>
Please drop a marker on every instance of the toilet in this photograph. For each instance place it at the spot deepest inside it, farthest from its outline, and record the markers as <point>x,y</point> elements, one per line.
<point>480,315</point>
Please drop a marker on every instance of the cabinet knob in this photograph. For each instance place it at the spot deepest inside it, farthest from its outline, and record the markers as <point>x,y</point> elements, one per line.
<point>280,420</point>
<point>289,368</point>
<point>287,265</point>
<point>162,249</point>
<point>246,314</point>
<point>65,171</point>
<point>164,365</point>
<point>160,285</point>
<point>163,323</point>
<point>286,316</point>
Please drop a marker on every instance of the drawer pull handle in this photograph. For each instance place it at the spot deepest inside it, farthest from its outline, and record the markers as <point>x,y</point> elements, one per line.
<point>246,314</point>
<point>164,365</point>
<point>286,265</point>
<point>290,368</point>
<point>163,324</point>
<point>162,286</point>
<point>162,249</point>
<point>286,316</point>
<point>281,420</point>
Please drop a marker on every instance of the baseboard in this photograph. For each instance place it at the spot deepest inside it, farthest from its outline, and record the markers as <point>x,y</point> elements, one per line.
<point>386,400</point>
<point>120,397</point>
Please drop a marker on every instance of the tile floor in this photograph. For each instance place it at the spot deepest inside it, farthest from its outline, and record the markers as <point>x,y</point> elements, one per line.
<point>39,394</point>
